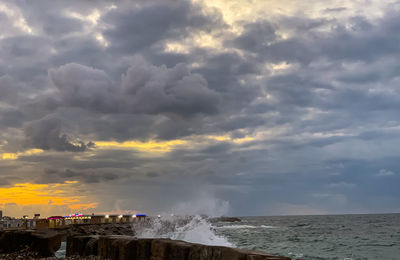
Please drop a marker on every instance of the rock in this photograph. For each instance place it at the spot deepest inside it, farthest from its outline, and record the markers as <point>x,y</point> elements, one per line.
<point>12,241</point>
<point>99,229</point>
<point>228,219</point>
<point>43,243</point>
<point>46,244</point>
<point>91,247</point>
<point>128,247</point>
<point>202,252</point>
<point>143,249</point>
<point>76,245</point>
<point>178,250</point>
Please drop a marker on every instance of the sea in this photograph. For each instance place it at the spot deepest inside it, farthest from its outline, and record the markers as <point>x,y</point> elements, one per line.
<point>327,237</point>
<point>344,237</point>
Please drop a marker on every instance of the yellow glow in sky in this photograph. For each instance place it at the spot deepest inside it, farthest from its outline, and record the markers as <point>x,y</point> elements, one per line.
<point>14,156</point>
<point>9,156</point>
<point>60,194</point>
<point>153,146</point>
<point>150,146</point>
<point>227,138</point>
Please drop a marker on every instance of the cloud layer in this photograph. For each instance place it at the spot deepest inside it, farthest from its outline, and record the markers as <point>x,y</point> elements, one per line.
<point>287,110</point>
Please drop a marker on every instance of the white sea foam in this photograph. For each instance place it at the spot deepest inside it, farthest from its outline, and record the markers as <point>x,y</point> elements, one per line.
<point>264,226</point>
<point>244,227</point>
<point>237,227</point>
<point>191,229</point>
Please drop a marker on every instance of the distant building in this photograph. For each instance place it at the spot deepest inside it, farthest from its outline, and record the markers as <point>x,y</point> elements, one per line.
<point>1,214</point>
<point>42,223</point>
<point>77,219</point>
<point>98,219</point>
<point>56,222</point>
<point>12,223</point>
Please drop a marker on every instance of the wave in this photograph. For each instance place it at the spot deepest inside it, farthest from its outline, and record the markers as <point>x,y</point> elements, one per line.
<point>237,227</point>
<point>243,227</point>
<point>264,226</point>
<point>194,229</point>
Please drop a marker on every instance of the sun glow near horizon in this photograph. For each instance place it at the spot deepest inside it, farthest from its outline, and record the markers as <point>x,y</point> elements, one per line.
<point>45,195</point>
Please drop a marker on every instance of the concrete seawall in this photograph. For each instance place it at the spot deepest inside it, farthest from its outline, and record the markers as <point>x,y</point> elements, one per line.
<point>44,244</point>
<point>127,247</point>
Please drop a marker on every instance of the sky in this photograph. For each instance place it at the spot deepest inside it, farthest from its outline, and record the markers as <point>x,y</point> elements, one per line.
<point>239,107</point>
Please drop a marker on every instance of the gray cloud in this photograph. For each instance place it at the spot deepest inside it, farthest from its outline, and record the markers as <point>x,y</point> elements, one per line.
<point>152,89</point>
<point>8,89</point>
<point>319,96</point>
<point>256,36</point>
<point>150,23</point>
<point>83,86</point>
<point>57,176</point>
<point>46,134</point>
<point>145,89</point>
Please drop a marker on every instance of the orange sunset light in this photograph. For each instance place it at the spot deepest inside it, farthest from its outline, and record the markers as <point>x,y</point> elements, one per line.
<point>58,194</point>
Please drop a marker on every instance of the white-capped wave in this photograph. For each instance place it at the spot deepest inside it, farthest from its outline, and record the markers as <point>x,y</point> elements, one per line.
<point>243,227</point>
<point>191,229</point>
<point>237,227</point>
<point>264,226</point>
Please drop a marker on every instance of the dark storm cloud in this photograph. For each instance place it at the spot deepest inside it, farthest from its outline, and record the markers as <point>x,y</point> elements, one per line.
<point>57,25</point>
<point>84,50</point>
<point>148,24</point>
<point>29,56</point>
<point>8,89</point>
<point>11,118</point>
<point>156,90</point>
<point>362,41</point>
<point>83,86</point>
<point>46,134</point>
<point>256,36</point>
<point>57,176</point>
<point>145,89</point>
<point>223,69</point>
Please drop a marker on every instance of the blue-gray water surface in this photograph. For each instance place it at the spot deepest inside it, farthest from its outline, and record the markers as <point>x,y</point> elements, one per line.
<point>349,237</point>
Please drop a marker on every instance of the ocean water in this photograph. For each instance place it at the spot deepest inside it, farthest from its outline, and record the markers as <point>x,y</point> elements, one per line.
<point>319,237</point>
<point>344,237</point>
<point>61,253</point>
<point>335,237</point>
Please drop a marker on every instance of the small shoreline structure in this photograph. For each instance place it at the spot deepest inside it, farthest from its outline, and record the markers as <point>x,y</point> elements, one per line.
<point>60,222</point>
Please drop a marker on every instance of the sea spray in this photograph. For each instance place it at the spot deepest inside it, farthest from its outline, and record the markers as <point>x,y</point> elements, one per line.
<point>194,229</point>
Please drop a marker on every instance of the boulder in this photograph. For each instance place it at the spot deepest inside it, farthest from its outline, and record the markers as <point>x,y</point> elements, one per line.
<point>12,241</point>
<point>228,219</point>
<point>43,243</point>
<point>79,245</point>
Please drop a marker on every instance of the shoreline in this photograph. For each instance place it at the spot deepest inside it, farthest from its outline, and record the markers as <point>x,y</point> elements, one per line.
<point>113,241</point>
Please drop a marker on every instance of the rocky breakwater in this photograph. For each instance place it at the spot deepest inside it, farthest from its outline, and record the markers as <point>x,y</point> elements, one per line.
<point>127,247</point>
<point>42,244</point>
<point>98,229</point>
